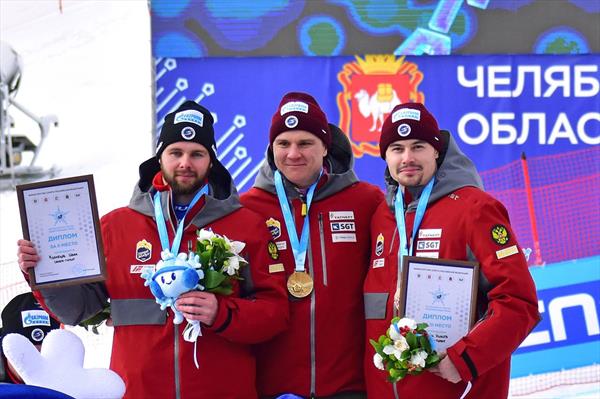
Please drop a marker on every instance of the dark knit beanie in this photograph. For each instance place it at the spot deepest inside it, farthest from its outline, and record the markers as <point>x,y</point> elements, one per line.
<point>190,122</point>
<point>300,111</point>
<point>24,315</point>
<point>410,121</point>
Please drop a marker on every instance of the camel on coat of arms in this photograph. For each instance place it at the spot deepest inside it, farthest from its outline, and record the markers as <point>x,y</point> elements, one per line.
<point>377,105</point>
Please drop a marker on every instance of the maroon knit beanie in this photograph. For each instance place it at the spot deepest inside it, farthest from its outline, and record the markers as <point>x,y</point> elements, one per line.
<point>410,121</point>
<point>300,111</point>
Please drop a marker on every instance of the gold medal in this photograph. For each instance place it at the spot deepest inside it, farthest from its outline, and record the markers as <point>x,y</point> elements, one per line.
<point>300,284</point>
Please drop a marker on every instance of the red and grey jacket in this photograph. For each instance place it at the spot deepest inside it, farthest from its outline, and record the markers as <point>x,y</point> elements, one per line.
<point>461,222</point>
<point>321,353</point>
<point>149,352</point>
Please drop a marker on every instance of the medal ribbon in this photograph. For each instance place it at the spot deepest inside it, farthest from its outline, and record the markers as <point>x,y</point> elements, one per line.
<point>299,247</point>
<point>162,226</point>
<point>401,221</point>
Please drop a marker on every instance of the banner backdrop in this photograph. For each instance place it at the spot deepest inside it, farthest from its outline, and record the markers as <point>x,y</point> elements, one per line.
<point>498,108</point>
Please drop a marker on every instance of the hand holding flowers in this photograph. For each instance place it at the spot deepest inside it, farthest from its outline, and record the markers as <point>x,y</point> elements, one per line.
<point>405,349</point>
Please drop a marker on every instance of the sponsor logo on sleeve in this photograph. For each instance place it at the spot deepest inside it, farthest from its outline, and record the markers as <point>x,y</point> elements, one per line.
<point>503,253</point>
<point>379,245</point>
<point>377,263</point>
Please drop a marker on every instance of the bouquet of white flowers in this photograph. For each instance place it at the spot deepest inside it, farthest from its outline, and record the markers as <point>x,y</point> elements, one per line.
<point>405,349</point>
<point>221,261</point>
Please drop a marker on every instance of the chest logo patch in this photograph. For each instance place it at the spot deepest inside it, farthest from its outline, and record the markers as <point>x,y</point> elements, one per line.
<point>341,215</point>
<point>428,245</point>
<point>500,235</point>
<point>274,227</point>
<point>379,245</point>
<point>273,251</point>
<point>343,226</point>
<point>143,251</point>
<point>430,233</point>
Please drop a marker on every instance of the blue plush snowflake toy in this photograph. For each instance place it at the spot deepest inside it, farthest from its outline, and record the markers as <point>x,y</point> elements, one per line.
<point>174,276</point>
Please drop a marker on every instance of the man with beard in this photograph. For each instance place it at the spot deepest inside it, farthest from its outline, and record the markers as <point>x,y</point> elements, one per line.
<point>435,200</point>
<point>182,189</point>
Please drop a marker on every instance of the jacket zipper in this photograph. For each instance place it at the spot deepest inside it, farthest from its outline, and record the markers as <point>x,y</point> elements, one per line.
<point>313,354</point>
<point>323,256</point>
<point>176,361</point>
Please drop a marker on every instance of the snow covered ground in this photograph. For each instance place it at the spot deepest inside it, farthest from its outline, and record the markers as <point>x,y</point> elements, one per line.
<point>91,66</point>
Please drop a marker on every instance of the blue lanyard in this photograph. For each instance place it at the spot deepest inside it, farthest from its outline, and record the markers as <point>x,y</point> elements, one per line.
<point>162,226</point>
<point>401,222</point>
<point>298,247</point>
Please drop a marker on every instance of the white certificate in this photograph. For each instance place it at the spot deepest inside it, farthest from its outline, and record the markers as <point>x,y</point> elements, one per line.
<point>441,293</point>
<point>60,217</point>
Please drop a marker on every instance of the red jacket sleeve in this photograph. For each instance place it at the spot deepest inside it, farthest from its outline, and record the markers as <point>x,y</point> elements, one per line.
<point>512,308</point>
<point>264,311</point>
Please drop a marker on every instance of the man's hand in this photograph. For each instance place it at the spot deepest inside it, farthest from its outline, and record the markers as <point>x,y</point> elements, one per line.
<point>198,305</point>
<point>446,370</point>
<point>27,255</point>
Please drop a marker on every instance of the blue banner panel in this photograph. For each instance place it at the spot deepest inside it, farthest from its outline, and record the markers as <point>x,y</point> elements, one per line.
<point>569,334</point>
<point>497,107</point>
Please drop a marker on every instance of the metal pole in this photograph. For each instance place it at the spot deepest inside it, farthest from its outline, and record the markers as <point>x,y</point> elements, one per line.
<point>534,231</point>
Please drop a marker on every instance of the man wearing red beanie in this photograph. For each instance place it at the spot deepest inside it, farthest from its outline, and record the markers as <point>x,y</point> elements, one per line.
<point>434,191</point>
<point>319,214</point>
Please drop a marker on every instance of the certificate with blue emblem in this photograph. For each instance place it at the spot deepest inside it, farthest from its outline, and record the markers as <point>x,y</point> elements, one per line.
<point>61,218</point>
<point>441,293</point>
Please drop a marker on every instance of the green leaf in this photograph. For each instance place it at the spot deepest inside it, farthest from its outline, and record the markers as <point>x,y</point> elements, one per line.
<point>432,360</point>
<point>205,257</point>
<point>411,339</point>
<point>424,342</point>
<point>96,320</point>
<point>378,348</point>
<point>221,290</point>
<point>212,279</point>
<point>422,326</point>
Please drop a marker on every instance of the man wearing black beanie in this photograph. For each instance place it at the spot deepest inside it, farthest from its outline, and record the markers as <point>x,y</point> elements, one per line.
<point>186,186</point>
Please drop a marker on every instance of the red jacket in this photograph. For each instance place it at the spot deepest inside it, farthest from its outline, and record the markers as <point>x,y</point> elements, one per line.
<point>459,218</point>
<point>321,352</point>
<point>149,352</point>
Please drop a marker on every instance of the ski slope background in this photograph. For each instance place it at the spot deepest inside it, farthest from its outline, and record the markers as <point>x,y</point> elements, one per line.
<point>90,65</point>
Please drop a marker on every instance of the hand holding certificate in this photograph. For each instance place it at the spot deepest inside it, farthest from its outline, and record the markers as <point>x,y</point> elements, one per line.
<point>441,293</point>
<point>61,218</point>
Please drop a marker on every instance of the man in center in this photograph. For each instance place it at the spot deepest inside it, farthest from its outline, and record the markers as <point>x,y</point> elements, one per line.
<point>319,215</point>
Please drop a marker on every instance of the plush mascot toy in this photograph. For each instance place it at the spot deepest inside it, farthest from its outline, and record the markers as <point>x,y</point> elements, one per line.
<point>59,366</point>
<point>174,276</point>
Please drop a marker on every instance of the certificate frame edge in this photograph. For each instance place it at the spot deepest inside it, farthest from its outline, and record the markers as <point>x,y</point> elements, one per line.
<point>448,262</point>
<point>89,179</point>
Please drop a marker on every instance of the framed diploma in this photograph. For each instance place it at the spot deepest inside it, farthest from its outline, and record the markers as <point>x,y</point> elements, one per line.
<point>441,293</point>
<point>61,218</point>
